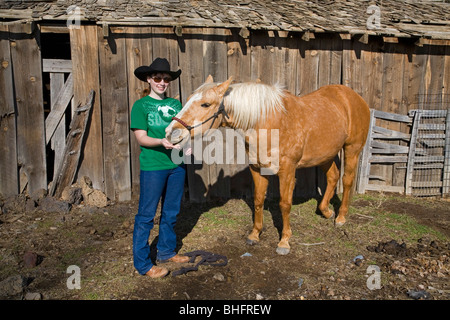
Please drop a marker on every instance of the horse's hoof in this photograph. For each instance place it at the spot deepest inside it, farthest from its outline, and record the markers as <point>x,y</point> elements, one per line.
<point>332,215</point>
<point>339,223</point>
<point>251,242</point>
<point>283,251</point>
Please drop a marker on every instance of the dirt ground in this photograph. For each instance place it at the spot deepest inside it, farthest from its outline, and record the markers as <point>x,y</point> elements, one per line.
<point>405,239</point>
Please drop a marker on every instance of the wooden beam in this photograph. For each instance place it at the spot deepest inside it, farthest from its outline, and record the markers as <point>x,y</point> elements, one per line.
<point>57,65</point>
<point>86,76</point>
<point>68,167</point>
<point>9,175</point>
<point>27,70</point>
<point>58,109</point>
<point>115,126</point>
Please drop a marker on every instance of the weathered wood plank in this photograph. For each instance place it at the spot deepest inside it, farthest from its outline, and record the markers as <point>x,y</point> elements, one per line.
<point>307,81</point>
<point>364,166</point>
<point>382,147</point>
<point>57,65</point>
<point>385,188</point>
<point>139,48</point>
<point>84,46</point>
<point>238,66</point>
<point>9,175</point>
<point>165,45</point>
<point>434,78</point>
<point>26,61</point>
<point>72,152</point>
<point>116,129</point>
<point>238,57</point>
<point>58,108</point>
<point>412,153</point>
<point>58,142</point>
<point>392,116</point>
<point>192,76</point>
<point>215,64</point>
<point>388,159</point>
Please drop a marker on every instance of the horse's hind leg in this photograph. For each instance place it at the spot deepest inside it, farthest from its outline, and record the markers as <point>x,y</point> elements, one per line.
<point>332,172</point>
<point>351,154</point>
<point>259,196</point>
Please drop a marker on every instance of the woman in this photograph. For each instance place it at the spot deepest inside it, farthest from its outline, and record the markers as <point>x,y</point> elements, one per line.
<point>160,178</point>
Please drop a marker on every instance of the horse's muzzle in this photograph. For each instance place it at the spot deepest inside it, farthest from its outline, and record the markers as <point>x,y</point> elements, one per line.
<point>175,136</point>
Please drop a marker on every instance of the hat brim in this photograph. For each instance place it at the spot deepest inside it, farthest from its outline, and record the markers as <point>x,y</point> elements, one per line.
<point>142,72</point>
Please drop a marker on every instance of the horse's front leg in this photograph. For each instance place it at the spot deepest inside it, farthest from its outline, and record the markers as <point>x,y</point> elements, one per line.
<point>259,196</point>
<point>287,184</point>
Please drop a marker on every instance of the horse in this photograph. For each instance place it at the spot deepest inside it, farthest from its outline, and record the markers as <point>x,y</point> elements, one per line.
<point>312,130</point>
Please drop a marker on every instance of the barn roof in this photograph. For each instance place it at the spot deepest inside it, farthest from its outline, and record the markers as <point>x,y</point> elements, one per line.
<point>401,18</point>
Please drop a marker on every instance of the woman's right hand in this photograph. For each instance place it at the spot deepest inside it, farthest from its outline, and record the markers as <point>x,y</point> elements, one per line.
<point>168,145</point>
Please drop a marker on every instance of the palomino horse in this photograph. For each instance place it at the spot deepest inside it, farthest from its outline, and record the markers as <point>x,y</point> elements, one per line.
<point>312,129</point>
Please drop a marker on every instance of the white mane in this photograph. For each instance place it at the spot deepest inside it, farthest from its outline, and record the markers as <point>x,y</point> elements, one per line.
<point>251,102</point>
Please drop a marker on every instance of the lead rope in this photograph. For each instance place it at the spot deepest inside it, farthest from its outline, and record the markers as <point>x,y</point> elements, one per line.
<point>208,258</point>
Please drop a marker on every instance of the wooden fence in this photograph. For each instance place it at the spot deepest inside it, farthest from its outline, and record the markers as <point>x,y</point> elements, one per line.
<point>387,72</point>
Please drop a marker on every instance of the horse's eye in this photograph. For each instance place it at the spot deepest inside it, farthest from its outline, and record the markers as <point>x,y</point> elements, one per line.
<point>206,105</point>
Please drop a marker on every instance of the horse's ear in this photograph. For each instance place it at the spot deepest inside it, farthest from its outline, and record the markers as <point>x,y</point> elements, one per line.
<point>209,79</point>
<point>222,88</point>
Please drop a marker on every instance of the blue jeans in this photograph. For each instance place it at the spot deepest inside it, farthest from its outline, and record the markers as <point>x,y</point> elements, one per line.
<point>167,185</point>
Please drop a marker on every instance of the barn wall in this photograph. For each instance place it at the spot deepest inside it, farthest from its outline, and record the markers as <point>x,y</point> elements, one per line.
<point>393,75</point>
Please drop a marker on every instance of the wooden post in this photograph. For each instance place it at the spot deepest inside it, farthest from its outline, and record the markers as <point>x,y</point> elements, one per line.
<point>116,128</point>
<point>9,177</point>
<point>363,178</point>
<point>26,61</point>
<point>412,152</point>
<point>86,76</point>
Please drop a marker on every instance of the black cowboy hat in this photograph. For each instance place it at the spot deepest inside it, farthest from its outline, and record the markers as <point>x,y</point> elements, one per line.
<point>158,65</point>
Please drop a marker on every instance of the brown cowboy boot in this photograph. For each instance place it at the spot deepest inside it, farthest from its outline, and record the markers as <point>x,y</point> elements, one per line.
<point>179,259</point>
<point>157,272</point>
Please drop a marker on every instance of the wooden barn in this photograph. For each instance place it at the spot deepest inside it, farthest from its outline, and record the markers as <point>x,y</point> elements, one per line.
<point>54,53</point>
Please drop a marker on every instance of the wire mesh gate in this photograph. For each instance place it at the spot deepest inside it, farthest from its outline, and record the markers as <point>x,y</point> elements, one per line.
<point>428,169</point>
<point>426,157</point>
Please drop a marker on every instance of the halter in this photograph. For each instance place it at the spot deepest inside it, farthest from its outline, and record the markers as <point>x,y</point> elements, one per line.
<point>220,111</point>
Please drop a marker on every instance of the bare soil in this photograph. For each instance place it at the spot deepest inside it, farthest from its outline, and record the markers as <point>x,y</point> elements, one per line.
<point>406,238</point>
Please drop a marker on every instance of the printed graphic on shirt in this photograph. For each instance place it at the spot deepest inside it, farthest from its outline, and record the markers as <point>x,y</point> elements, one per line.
<point>160,115</point>
<point>166,113</point>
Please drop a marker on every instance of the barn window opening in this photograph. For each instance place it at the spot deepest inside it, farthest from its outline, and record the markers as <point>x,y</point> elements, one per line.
<point>55,48</point>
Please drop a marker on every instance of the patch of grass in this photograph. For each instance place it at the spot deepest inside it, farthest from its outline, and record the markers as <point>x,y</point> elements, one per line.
<point>221,217</point>
<point>409,227</point>
<point>91,296</point>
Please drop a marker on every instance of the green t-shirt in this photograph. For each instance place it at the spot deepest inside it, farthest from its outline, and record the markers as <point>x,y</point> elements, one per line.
<point>154,116</point>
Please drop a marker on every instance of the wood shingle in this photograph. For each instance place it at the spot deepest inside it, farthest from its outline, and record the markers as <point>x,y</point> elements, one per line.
<point>407,18</point>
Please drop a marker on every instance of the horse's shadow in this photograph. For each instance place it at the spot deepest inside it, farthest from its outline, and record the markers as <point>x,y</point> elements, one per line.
<point>191,211</point>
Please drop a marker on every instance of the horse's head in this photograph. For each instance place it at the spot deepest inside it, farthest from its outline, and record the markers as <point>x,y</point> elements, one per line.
<point>202,111</point>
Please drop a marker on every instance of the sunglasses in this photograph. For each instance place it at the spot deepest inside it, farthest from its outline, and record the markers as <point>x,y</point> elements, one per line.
<point>158,79</point>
